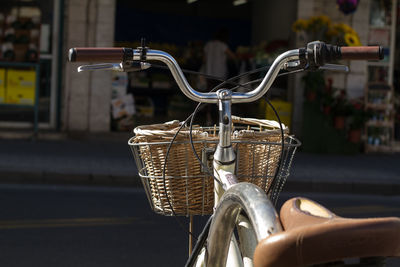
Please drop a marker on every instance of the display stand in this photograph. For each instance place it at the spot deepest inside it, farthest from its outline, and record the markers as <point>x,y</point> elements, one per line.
<point>379,129</point>
<point>382,31</point>
<point>35,106</point>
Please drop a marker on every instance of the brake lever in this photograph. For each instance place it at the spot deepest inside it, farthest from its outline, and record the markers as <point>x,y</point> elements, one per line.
<point>102,66</point>
<point>334,67</point>
<point>294,65</point>
<point>128,66</point>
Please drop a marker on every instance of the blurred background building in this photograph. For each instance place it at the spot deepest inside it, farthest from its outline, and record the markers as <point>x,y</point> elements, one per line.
<point>40,89</point>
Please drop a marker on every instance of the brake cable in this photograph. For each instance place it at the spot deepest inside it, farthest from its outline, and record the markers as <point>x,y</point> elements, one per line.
<point>191,117</point>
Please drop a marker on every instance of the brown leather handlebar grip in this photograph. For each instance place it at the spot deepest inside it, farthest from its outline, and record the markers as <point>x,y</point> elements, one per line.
<point>99,54</point>
<point>362,52</point>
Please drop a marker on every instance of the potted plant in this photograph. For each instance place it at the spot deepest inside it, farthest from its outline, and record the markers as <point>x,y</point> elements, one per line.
<point>340,109</point>
<point>314,83</point>
<point>327,104</point>
<point>327,99</point>
<point>358,116</point>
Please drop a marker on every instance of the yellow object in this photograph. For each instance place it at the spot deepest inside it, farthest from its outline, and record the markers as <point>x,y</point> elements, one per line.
<point>283,108</point>
<point>323,29</point>
<point>352,39</point>
<point>21,87</point>
<point>2,85</point>
<point>300,25</point>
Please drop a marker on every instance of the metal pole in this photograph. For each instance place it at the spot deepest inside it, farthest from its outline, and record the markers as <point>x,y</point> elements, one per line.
<point>36,104</point>
<point>59,56</point>
<point>190,234</point>
<point>392,45</point>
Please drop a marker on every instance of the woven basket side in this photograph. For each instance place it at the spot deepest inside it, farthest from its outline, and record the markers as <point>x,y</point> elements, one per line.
<point>257,163</point>
<point>186,187</point>
<point>189,190</point>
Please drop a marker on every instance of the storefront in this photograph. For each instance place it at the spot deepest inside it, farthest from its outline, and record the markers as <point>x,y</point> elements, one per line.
<point>257,33</point>
<point>29,64</point>
<point>102,101</point>
<point>364,99</point>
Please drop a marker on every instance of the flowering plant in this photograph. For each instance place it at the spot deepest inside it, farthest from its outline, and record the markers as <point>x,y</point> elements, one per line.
<point>314,83</point>
<point>323,29</point>
<point>347,6</point>
<point>340,104</point>
<point>358,115</point>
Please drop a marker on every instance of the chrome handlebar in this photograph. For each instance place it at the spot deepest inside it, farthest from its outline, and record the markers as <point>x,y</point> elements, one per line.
<point>212,97</point>
<point>137,62</point>
<point>313,57</point>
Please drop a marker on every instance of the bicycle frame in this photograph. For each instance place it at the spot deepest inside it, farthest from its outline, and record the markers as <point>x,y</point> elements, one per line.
<point>232,198</point>
<point>219,244</point>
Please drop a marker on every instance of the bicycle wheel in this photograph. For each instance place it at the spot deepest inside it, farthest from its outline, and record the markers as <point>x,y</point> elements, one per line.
<point>246,239</point>
<point>223,248</point>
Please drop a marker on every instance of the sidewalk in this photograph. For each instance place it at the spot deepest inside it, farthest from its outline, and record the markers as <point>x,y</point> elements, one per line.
<point>107,160</point>
<point>368,174</point>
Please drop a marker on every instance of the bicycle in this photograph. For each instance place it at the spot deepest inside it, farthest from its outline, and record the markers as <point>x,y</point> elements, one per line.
<point>245,228</point>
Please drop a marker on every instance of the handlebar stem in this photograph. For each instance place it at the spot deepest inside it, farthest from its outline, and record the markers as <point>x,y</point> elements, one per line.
<point>212,97</point>
<point>224,154</point>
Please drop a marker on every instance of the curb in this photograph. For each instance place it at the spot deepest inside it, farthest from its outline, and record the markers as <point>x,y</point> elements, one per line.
<point>29,135</point>
<point>47,135</point>
<point>20,177</point>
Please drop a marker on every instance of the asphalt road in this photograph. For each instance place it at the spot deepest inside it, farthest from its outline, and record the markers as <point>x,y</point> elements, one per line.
<point>97,226</point>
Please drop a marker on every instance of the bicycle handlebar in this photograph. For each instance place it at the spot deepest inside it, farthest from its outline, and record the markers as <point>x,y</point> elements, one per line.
<point>122,54</point>
<point>315,55</point>
<point>100,54</point>
<point>212,97</point>
<point>318,53</point>
<point>362,52</point>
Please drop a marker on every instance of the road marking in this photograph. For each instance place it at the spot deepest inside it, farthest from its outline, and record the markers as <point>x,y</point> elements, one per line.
<point>364,209</point>
<point>74,222</point>
<point>108,221</point>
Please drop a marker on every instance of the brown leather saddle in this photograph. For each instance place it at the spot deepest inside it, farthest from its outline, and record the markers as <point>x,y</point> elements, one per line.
<point>313,234</point>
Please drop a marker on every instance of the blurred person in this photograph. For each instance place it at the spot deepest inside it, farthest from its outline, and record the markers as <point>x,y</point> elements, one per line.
<point>218,61</point>
<point>217,55</point>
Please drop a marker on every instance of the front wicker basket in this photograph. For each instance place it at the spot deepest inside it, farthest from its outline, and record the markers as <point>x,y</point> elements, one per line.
<point>187,189</point>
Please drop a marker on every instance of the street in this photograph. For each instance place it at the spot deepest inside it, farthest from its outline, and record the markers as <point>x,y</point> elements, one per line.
<point>98,226</point>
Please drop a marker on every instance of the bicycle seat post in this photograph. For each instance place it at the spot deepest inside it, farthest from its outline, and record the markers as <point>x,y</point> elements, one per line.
<point>224,156</point>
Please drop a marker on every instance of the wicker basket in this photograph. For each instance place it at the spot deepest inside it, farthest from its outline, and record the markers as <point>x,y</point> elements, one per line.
<point>188,190</point>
